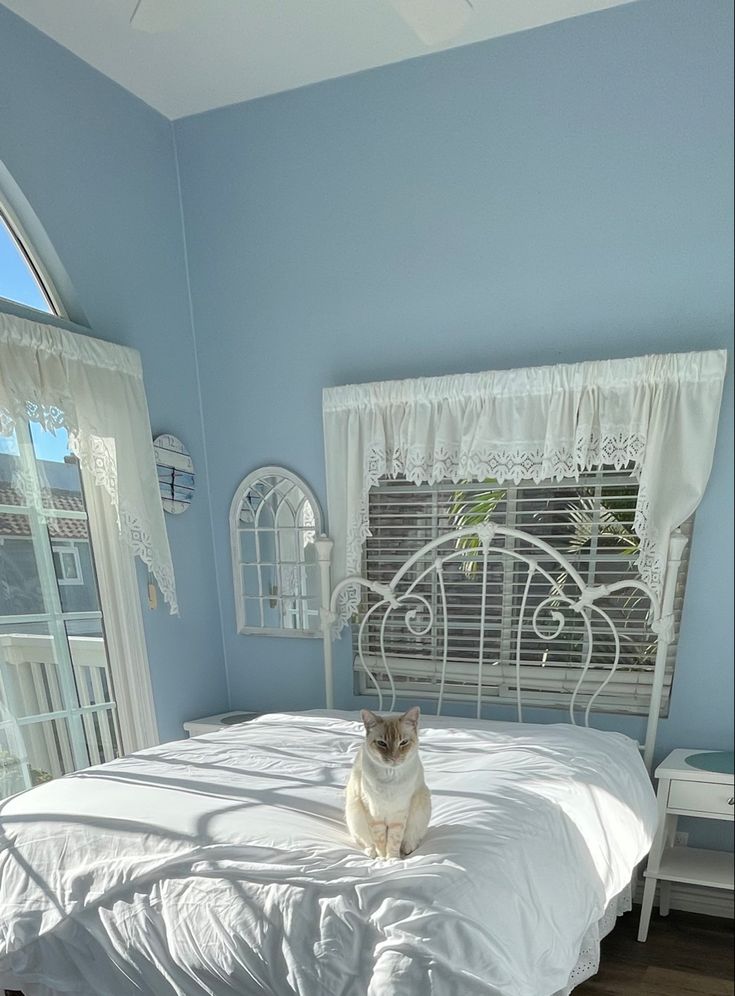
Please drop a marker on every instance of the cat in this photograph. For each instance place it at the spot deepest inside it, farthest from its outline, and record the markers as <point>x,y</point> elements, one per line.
<point>388,806</point>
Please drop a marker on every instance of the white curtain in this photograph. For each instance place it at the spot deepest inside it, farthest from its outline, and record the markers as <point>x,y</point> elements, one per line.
<point>658,413</point>
<point>94,389</point>
<point>124,635</point>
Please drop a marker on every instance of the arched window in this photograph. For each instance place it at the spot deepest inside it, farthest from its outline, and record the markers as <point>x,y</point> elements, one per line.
<point>21,276</point>
<point>274,522</point>
<point>68,596</point>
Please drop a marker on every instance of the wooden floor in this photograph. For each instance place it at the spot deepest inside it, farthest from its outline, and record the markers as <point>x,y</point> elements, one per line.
<point>685,955</point>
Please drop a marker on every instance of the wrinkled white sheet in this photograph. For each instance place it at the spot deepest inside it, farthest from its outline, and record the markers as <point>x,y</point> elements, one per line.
<point>221,865</point>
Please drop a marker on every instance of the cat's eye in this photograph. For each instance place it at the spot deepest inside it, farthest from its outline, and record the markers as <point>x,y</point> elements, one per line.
<point>381,743</point>
<point>403,743</point>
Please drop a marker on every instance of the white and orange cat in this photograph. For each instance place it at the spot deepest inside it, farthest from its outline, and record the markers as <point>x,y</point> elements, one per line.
<point>388,805</point>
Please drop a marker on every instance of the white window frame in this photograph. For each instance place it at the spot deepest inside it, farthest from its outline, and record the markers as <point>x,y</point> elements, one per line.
<point>67,549</point>
<point>417,676</point>
<point>297,607</point>
<point>84,720</point>
<point>35,264</point>
<point>117,581</point>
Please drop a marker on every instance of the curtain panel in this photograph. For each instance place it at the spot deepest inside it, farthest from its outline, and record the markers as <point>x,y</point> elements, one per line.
<point>656,413</point>
<point>94,390</point>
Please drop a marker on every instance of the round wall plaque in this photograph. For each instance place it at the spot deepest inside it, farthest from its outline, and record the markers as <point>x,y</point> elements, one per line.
<point>175,473</point>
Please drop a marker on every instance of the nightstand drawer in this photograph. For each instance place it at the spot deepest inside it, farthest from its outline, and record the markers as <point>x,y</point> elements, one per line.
<point>701,797</point>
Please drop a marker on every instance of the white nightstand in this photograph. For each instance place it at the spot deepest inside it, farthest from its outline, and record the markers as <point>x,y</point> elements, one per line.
<point>210,724</point>
<point>684,790</point>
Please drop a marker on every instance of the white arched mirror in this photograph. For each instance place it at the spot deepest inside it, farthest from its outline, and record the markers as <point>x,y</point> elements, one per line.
<point>274,522</point>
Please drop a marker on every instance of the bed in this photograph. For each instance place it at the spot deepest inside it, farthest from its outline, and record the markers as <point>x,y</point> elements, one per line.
<point>221,864</point>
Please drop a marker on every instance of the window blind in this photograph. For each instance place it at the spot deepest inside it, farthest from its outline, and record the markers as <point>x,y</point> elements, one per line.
<point>589,521</point>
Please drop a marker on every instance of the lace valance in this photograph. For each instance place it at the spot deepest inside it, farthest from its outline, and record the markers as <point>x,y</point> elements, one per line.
<point>94,390</point>
<point>656,413</point>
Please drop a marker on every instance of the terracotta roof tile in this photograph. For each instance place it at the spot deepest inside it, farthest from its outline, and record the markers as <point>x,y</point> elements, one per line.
<point>58,498</point>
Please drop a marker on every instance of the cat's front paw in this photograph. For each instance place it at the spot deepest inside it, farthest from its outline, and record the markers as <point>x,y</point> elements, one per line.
<point>371,852</point>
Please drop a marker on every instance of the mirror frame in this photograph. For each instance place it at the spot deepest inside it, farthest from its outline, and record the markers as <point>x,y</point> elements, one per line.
<point>236,555</point>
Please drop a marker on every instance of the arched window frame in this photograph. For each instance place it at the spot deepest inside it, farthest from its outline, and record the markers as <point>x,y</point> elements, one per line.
<point>246,485</point>
<point>35,264</point>
<point>117,581</point>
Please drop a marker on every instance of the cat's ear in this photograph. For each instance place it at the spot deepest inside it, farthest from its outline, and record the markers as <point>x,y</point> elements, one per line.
<point>369,719</point>
<point>412,716</point>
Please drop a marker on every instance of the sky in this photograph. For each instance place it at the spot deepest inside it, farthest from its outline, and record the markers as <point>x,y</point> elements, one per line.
<point>18,283</point>
<point>47,445</point>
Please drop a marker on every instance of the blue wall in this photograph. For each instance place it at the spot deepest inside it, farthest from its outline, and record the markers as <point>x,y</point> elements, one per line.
<point>99,169</point>
<point>559,195</point>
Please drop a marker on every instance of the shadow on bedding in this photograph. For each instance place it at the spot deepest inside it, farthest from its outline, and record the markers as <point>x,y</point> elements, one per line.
<point>359,917</point>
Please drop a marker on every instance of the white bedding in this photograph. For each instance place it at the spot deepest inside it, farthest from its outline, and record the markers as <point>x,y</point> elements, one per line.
<point>221,865</point>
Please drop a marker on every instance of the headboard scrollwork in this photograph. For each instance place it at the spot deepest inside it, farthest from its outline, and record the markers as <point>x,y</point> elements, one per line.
<point>549,600</point>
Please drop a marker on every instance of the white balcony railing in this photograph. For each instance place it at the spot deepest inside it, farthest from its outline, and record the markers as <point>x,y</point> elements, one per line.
<point>37,722</point>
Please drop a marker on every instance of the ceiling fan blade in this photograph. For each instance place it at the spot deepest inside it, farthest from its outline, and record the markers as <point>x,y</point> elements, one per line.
<point>434,21</point>
<point>154,16</point>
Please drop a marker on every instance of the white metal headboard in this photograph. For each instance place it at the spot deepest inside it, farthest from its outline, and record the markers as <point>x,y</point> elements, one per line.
<point>429,562</point>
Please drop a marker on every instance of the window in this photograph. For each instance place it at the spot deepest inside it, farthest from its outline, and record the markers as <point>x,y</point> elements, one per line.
<point>75,684</point>
<point>21,278</point>
<point>274,522</point>
<point>589,521</point>
<point>67,564</point>
<point>57,704</point>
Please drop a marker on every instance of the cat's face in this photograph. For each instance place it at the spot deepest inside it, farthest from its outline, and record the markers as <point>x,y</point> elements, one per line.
<point>391,740</point>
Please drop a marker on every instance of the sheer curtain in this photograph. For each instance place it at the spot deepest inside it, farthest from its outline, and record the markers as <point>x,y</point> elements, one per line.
<point>94,389</point>
<point>118,589</point>
<point>657,413</point>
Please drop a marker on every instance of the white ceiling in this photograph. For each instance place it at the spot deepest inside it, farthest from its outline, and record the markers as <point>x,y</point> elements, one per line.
<point>224,51</point>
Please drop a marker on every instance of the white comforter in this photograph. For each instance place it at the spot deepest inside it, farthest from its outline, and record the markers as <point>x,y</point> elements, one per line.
<point>221,865</point>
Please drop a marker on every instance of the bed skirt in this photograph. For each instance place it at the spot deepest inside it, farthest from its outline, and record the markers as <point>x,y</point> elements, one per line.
<point>589,954</point>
